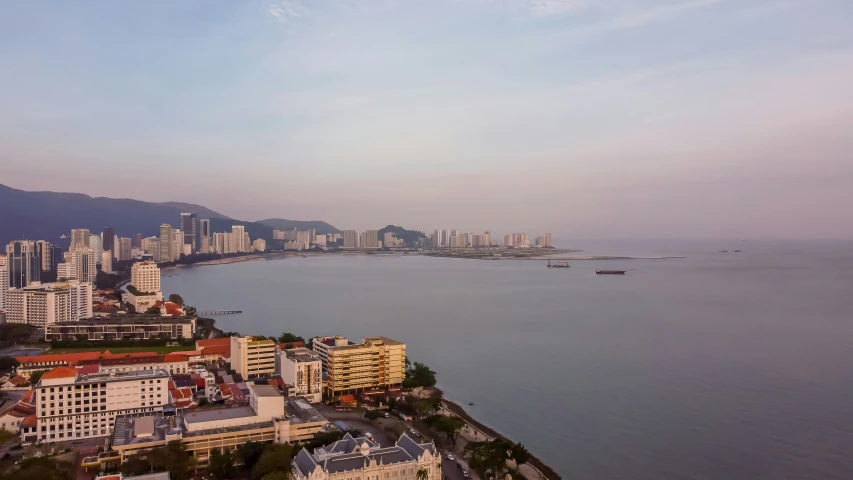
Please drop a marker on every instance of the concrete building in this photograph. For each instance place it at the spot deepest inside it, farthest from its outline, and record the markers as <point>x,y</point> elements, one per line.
<point>269,418</point>
<point>4,282</point>
<point>107,261</point>
<point>23,263</point>
<point>351,239</point>
<point>238,233</point>
<point>151,246</point>
<point>123,249</point>
<point>83,261</point>
<point>178,247</point>
<point>220,242</point>
<point>167,235</point>
<point>71,406</point>
<point>145,277</point>
<point>252,358</point>
<point>320,240</point>
<point>376,362</point>
<point>80,238</point>
<point>190,229</point>
<point>137,241</point>
<point>259,245</point>
<point>122,327</point>
<point>205,235</point>
<point>45,304</point>
<point>295,246</point>
<point>45,252</point>
<point>303,369</point>
<point>64,271</point>
<point>371,239</point>
<point>356,458</point>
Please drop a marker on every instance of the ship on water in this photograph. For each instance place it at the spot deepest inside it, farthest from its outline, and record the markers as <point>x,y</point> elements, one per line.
<point>558,265</point>
<point>610,272</point>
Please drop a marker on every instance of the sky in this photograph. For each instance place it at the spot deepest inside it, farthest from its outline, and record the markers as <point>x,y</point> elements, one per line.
<point>586,118</point>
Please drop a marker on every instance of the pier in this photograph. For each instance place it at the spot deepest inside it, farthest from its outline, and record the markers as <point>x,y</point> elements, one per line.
<point>215,313</point>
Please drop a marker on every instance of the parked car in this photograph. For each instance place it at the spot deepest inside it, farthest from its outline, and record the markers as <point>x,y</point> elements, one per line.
<point>450,457</point>
<point>465,473</point>
<point>386,415</point>
<point>459,465</point>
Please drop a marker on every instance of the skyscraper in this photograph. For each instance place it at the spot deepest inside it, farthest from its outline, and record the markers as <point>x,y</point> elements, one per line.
<point>137,241</point>
<point>123,249</point>
<point>351,239</point>
<point>371,239</point>
<point>79,238</point>
<point>45,252</point>
<point>166,234</point>
<point>206,235</point>
<point>23,263</point>
<point>108,239</point>
<point>236,240</point>
<point>83,262</point>
<point>188,226</point>
<point>4,282</point>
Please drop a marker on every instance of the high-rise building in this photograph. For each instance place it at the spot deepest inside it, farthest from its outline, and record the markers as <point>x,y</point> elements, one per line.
<point>96,245</point>
<point>247,243</point>
<point>252,357</point>
<point>145,277</point>
<point>123,249</point>
<point>351,239</point>
<point>178,246</point>
<point>23,263</point>
<point>206,235</point>
<point>236,240</point>
<point>83,262</point>
<point>320,240</point>
<point>137,241</point>
<point>371,239</point>
<point>259,245</point>
<point>4,282</point>
<point>220,242</point>
<point>304,237</point>
<point>107,261</point>
<point>189,227</point>
<point>303,369</point>
<point>166,237</point>
<point>108,239</point>
<point>80,238</point>
<point>151,245</point>
<point>47,303</point>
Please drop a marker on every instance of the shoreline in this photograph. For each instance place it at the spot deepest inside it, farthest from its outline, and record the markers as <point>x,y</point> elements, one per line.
<point>534,461</point>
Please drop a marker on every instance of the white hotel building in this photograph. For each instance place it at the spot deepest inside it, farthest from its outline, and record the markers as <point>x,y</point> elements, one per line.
<point>41,304</point>
<point>72,406</point>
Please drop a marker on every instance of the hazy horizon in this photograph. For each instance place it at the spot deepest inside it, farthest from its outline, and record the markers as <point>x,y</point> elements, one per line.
<point>586,118</point>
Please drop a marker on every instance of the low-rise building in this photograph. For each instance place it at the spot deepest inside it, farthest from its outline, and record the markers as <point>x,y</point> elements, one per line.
<point>173,363</point>
<point>360,457</point>
<point>253,357</point>
<point>267,418</point>
<point>70,405</point>
<point>122,327</point>
<point>352,367</point>
<point>303,369</point>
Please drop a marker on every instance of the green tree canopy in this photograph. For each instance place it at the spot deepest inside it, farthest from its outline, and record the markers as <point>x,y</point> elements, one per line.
<point>221,466</point>
<point>36,376</point>
<point>288,337</point>
<point>153,310</point>
<point>7,363</point>
<point>447,425</point>
<point>276,458</point>
<point>419,375</point>
<point>373,414</point>
<point>249,453</point>
<point>520,454</point>
<point>175,298</point>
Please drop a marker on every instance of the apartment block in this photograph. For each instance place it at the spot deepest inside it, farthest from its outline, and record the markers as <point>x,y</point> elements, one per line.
<point>375,363</point>
<point>252,357</point>
<point>45,304</point>
<point>303,369</point>
<point>122,327</point>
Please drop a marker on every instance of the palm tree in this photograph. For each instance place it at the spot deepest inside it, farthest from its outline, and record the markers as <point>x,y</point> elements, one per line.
<point>422,474</point>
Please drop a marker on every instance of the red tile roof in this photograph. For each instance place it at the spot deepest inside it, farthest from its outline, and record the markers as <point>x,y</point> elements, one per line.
<point>213,342</point>
<point>68,358</point>
<point>217,350</point>
<point>175,357</point>
<point>30,421</point>
<point>86,369</point>
<point>60,372</point>
<point>18,381</point>
<point>28,397</point>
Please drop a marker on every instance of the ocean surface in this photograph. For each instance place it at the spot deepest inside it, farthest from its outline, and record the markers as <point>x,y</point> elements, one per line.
<point>713,366</point>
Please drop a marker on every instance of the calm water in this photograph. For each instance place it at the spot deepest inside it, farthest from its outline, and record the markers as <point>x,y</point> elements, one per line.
<point>715,366</point>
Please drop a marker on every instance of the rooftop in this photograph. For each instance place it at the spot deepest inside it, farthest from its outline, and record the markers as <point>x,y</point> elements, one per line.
<point>382,341</point>
<point>302,355</point>
<point>265,391</point>
<point>214,414</point>
<point>127,319</point>
<point>301,411</point>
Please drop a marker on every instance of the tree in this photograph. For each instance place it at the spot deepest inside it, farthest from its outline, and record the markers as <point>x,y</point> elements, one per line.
<point>422,474</point>
<point>221,465</point>
<point>152,310</point>
<point>135,465</point>
<point>7,363</point>
<point>276,476</point>
<point>373,415</point>
<point>288,337</point>
<point>422,375</point>
<point>446,424</point>
<point>36,376</point>
<point>489,455</point>
<point>276,458</point>
<point>174,458</point>
<point>520,454</point>
<point>249,453</point>
<point>175,298</point>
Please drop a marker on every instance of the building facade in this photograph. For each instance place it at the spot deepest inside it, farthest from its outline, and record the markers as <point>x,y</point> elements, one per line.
<point>145,277</point>
<point>83,260</point>
<point>49,303</point>
<point>351,367</point>
<point>80,238</point>
<point>23,263</point>
<point>351,239</point>
<point>252,357</point>
<point>206,236</point>
<point>166,238</point>
<point>303,369</point>
<point>123,249</point>
<point>71,406</point>
<point>122,327</point>
<point>190,229</point>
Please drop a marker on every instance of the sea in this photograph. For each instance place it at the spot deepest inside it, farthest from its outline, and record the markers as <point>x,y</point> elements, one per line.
<point>717,365</point>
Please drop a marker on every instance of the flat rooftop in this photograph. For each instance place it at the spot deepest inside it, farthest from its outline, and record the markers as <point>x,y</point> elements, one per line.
<point>265,391</point>
<point>118,376</point>
<point>302,355</point>
<point>384,340</point>
<point>300,411</point>
<point>125,432</point>
<point>214,414</point>
<point>127,319</point>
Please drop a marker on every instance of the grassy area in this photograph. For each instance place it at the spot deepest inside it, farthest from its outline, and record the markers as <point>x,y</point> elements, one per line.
<point>162,349</point>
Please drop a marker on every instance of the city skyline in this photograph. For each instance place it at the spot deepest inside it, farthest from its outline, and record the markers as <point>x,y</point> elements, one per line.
<point>585,118</point>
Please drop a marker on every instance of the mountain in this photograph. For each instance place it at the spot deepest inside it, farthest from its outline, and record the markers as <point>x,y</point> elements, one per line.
<point>409,236</point>
<point>284,224</point>
<point>49,215</point>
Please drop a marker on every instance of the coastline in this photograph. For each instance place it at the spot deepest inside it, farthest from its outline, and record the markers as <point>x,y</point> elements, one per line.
<point>534,461</point>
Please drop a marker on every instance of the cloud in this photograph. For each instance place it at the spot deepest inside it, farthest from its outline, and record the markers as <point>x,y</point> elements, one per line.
<point>641,18</point>
<point>286,11</point>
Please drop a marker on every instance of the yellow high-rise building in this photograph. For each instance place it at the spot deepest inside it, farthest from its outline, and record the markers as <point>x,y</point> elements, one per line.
<point>377,362</point>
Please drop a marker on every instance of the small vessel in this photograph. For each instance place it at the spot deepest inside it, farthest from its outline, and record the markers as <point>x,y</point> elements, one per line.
<point>470,403</point>
<point>737,251</point>
<point>724,251</point>
<point>558,265</point>
<point>610,272</point>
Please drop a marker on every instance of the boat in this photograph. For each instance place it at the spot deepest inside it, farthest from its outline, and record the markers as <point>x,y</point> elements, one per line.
<point>470,403</point>
<point>724,251</point>
<point>737,251</point>
<point>610,272</point>
<point>558,265</point>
